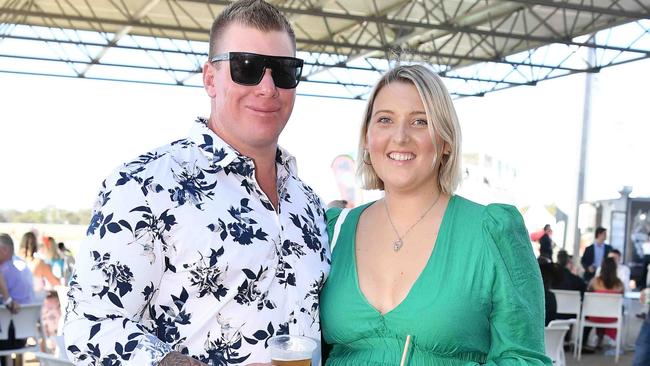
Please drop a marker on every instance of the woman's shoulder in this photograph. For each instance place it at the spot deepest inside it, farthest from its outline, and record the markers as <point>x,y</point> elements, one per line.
<point>467,207</point>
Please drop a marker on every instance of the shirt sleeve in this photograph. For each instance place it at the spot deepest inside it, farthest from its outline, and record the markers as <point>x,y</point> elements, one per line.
<point>517,316</point>
<point>118,271</point>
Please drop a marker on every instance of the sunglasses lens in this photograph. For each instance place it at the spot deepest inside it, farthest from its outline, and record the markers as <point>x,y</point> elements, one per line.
<point>249,68</point>
<point>246,69</point>
<point>286,73</point>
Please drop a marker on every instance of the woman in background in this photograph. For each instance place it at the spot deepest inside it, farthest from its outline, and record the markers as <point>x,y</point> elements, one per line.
<point>44,283</point>
<point>606,282</point>
<point>456,278</point>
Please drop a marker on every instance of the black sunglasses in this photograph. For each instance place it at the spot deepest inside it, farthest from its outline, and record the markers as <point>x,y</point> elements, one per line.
<point>248,68</point>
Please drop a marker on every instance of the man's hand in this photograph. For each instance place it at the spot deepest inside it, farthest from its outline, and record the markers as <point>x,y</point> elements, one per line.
<point>179,359</point>
<point>14,307</point>
<point>591,269</point>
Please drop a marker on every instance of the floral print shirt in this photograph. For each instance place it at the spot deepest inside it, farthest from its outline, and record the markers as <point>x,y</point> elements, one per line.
<point>186,253</point>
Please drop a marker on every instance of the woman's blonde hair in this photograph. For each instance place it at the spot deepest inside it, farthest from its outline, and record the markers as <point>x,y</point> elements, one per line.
<point>442,120</point>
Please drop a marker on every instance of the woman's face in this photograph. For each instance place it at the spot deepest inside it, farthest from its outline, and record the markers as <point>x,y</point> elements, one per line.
<point>398,140</point>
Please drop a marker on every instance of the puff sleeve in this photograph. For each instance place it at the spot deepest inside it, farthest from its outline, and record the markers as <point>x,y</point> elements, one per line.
<point>517,312</point>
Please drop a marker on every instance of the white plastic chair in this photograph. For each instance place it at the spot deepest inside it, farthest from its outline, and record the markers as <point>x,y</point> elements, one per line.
<point>568,302</point>
<point>554,343</point>
<point>602,305</point>
<point>47,359</point>
<point>26,324</point>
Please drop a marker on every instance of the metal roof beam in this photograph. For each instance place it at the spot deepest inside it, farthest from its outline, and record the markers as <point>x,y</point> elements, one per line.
<point>329,43</point>
<point>585,8</point>
<point>146,8</point>
<point>201,54</point>
<point>381,20</point>
<point>196,71</point>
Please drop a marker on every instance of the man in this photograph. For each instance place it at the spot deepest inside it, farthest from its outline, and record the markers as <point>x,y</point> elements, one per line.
<point>622,271</point>
<point>594,254</point>
<point>17,289</point>
<point>546,244</point>
<point>203,249</point>
<point>567,279</point>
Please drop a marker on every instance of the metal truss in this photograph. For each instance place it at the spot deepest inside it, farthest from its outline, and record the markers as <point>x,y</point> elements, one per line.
<point>479,46</point>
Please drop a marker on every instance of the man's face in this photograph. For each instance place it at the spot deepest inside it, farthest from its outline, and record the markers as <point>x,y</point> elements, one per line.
<point>250,118</point>
<point>601,237</point>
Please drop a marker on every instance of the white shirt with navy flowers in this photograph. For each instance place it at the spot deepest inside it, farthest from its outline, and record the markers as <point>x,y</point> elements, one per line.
<point>185,252</point>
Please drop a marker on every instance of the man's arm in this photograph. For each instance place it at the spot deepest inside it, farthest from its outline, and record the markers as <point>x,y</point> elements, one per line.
<point>119,268</point>
<point>587,258</point>
<point>11,305</point>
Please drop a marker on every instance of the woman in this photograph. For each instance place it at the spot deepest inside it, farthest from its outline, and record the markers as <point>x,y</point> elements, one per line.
<point>606,282</point>
<point>44,282</point>
<point>459,278</point>
<point>50,255</point>
<point>43,276</point>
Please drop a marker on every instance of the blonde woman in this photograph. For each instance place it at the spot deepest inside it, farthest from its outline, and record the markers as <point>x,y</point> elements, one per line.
<point>457,277</point>
<point>44,282</point>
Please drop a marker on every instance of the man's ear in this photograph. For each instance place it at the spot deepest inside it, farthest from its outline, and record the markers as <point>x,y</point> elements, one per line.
<point>208,79</point>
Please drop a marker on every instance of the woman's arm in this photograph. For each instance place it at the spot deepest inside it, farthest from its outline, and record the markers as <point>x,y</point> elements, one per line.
<point>517,316</point>
<point>44,270</point>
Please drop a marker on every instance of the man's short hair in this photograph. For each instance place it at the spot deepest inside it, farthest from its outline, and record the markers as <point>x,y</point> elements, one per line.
<point>251,13</point>
<point>547,227</point>
<point>5,239</point>
<point>563,258</point>
<point>600,230</point>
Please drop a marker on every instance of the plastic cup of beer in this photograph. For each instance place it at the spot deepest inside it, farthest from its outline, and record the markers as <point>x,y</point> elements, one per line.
<point>291,350</point>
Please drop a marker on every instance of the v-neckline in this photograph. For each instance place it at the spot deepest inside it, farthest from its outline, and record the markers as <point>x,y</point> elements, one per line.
<point>418,279</point>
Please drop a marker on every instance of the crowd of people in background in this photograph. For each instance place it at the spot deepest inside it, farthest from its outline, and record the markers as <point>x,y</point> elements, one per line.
<point>30,273</point>
<point>600,270</point>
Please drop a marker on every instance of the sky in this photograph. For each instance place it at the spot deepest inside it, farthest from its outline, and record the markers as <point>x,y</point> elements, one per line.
<point>59,138</point>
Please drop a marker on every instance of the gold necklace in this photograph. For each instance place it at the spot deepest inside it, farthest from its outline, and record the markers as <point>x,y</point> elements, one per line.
<point>397,244</point>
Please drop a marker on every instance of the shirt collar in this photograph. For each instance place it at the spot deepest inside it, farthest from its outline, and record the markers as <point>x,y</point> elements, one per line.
<point>222,154</point>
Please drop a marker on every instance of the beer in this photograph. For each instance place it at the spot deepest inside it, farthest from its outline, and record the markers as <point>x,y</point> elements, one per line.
<point>291,363</point>
<point>291,350</point>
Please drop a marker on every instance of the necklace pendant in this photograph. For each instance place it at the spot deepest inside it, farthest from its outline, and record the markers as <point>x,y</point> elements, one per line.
<point>397,245</point>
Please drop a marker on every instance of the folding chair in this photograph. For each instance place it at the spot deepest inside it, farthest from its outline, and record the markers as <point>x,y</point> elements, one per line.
<point>568,302</point>
<point>26,323</point>
<point>554,343</point>
<point>602,305</point>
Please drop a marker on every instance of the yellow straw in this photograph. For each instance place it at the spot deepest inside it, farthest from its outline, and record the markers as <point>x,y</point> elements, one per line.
<point>406,348</point>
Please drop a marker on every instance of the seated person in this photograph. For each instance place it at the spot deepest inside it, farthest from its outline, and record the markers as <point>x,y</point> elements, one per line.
<point>606,282</point>
<point>17,290</point>
<point>550,304</point>
<point>566,279</point>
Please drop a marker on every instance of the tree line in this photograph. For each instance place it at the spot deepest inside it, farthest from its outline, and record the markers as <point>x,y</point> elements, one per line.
<point>48,215</point>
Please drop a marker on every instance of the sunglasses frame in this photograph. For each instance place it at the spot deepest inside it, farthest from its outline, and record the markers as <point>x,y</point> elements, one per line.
<point>269,62</point>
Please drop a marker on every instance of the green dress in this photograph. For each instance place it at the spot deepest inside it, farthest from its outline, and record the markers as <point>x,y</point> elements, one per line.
<point>479,299</point>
